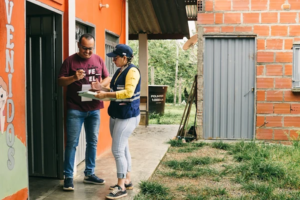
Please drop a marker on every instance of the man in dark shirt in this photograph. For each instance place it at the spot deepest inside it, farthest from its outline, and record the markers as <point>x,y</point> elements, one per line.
<point>78,71</point>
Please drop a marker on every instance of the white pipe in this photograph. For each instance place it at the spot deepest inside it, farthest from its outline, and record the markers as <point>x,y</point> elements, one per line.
<point>127,22</point>
<point>72,26</point>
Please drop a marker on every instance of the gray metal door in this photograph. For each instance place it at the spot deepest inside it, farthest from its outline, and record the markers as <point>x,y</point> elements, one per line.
<point>41,96</point>
<point>229,82</point>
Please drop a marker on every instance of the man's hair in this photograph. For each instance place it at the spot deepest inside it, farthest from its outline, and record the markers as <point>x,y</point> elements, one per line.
<point>87,36</point>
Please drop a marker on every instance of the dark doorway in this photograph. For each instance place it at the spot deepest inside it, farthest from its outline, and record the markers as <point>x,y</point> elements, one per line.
<point>44,97</point>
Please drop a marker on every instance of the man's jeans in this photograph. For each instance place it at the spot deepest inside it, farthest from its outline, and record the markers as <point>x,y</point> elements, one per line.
<point>91,120</point>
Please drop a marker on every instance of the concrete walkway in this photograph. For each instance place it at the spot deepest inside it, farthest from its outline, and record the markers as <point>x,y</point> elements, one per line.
<point>147,147</point>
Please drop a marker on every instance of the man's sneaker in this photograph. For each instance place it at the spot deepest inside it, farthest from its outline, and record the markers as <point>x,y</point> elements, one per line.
<point>116,193</point>
<point>127,186</point>
<point>93,179</point>
<point>68,184</point>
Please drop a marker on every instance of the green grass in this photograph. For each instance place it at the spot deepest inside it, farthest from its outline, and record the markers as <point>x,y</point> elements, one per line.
<point>177,143</point>
<point>221,145</point>
<point>152,190</point>
<point>191,162</point>
<point>184,147</point>
<point>258,171</point>
<point>172,115</point>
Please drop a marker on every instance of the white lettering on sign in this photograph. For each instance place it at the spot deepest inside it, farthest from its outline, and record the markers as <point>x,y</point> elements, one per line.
<point>157,98</point>
<point>9,68</point>
<point>9,29</point>
<point>9,11</point>
<point>9,61</point>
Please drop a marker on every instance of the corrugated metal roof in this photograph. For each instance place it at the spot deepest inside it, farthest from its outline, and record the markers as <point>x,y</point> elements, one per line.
<point>160,19</point>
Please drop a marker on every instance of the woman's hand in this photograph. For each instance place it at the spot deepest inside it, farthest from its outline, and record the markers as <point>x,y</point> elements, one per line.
<point>101,95</point>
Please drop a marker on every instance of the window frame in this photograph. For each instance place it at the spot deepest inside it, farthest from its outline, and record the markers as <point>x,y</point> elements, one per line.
<point>110,45</point>
<point>296,68</point>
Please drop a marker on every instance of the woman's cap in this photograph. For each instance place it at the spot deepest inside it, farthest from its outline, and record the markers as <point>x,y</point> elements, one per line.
<point>121,50</point>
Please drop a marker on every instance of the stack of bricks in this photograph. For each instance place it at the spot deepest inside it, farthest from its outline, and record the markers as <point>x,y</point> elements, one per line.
<point>277,25</point>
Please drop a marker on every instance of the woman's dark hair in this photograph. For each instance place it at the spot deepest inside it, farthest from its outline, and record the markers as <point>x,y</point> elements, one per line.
<point>129,60</point>
<point>87,36</point>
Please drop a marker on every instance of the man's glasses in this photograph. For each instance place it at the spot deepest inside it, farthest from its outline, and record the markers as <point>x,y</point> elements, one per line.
<point>86,48</point>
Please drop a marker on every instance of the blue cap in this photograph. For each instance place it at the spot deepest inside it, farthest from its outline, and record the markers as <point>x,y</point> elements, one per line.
<point>121,50</point>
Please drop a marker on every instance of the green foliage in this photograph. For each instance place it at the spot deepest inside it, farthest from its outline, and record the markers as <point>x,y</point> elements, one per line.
<point>173,115</point>
<point>296,139</point>
<point>156,117</point>
<point>163,56</point>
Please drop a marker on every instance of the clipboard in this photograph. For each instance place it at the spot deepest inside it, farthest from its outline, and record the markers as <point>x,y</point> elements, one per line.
<point>91,95</point>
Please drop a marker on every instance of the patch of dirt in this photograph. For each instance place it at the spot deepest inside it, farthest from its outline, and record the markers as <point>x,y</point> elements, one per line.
<point>180,187</point>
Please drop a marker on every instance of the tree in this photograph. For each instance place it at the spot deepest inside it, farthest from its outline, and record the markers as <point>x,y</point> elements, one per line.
<point>162,56</point>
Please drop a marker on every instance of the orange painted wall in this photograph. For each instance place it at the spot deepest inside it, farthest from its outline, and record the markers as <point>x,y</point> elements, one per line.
<point>18,98</point>
<point>278,114</point>
<point>18,90</point>
<point>21,194</point>
<point>113,20</point>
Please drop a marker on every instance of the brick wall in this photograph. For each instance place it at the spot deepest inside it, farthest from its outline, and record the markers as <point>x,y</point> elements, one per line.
<point>278,108</point>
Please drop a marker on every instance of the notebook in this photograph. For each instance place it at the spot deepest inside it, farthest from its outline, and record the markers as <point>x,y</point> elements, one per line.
<point>91,95</point>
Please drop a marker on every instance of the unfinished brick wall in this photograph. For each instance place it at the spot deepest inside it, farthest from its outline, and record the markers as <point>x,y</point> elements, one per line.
<point>277,28</point>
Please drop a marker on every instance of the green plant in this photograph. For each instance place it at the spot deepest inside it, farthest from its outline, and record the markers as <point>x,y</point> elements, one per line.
<point>295,139</point>
<point>213,192</point>
<point>177,143</point>
<point>154,190</point>
<point>179,165</point>
<point>221,145</point>
<point>196,197</point>
<point>187,149</point>
<point>192,174</point>
<point>156,116</point>
<point>198,144</point>
<point>261,189</point>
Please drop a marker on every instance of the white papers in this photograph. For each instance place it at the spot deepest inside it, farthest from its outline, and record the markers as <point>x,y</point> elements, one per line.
<point>85,88</point>
<point>91,95</point>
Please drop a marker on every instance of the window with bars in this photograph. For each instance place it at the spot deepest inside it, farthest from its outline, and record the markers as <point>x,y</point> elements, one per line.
<point>111,41</point>
<point>80,30</point>
<point>296,67</point>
